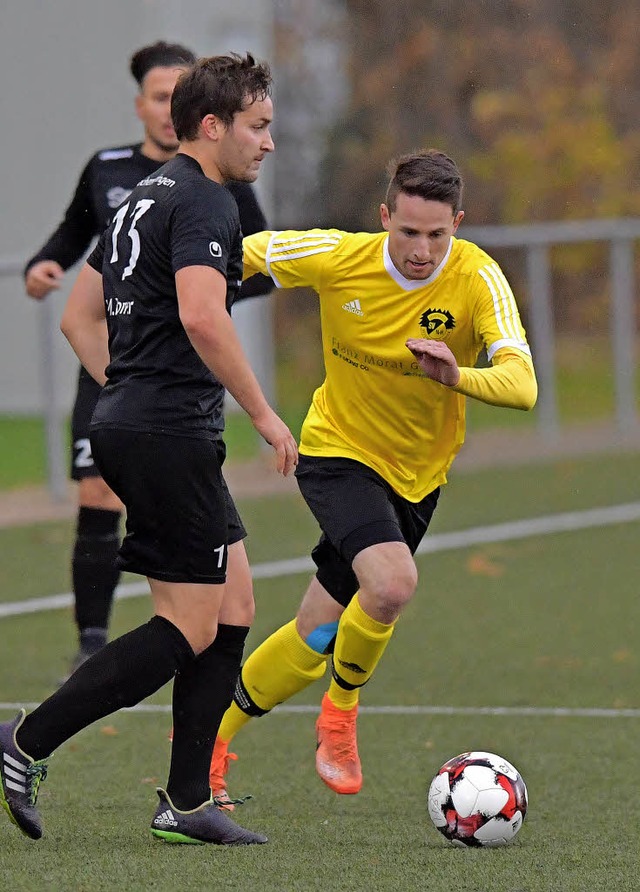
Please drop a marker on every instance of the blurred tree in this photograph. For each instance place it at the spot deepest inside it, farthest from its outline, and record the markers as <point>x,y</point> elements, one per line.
<point>538,102</point>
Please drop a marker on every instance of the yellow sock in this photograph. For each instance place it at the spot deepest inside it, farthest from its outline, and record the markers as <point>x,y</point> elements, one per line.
<point>279,668</point>
<point>360,642</point>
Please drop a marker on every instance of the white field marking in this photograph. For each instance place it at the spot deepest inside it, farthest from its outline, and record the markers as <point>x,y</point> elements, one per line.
<point>498,532</point>
<point>508,711</point>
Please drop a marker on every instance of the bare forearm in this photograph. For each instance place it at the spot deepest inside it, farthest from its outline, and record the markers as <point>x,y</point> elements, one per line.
<point>220,349</point>
<point>84,325</point>
<point>90,344</point>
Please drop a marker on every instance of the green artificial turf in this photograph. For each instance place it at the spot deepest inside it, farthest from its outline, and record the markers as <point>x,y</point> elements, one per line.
<point>526,626</point>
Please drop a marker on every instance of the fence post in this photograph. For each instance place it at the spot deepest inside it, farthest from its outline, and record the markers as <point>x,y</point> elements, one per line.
<point>539,278</point>
<point>623,332</point>
<point>54,436</point>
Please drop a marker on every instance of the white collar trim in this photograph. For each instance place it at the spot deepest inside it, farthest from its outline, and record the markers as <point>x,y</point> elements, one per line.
<point>412,284</point>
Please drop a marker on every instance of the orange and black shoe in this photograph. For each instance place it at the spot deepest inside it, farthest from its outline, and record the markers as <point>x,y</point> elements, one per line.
<point>337,759</point>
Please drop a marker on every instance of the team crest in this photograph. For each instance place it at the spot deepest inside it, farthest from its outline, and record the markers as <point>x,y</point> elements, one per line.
<point>437,324</point>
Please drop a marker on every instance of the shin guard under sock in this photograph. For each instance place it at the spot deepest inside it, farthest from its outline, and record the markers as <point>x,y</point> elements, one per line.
<point>360,642</point>
<point>202,691</point>
<point>93,567</point>
<point>123,673</point>
<point>280,667</point>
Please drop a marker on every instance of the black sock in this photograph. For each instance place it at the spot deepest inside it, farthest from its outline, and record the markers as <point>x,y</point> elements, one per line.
<point>123,673</point>
<point>92,640</point>
<point>93,567</point>
<point>202,692</point>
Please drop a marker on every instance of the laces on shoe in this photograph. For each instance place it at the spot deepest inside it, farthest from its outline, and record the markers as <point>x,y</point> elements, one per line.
<point>341,731</point>
<point>222,801</point>
<point>36,773</point>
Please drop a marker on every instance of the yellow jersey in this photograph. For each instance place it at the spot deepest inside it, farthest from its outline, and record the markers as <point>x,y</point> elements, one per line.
<point>375,405</point>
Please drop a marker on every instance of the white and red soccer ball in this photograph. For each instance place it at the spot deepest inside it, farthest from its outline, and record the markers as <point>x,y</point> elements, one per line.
<point>477,799</point>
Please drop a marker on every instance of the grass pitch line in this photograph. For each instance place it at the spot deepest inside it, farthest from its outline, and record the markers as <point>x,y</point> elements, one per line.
<point>499,532</point>
<point>508,711</point>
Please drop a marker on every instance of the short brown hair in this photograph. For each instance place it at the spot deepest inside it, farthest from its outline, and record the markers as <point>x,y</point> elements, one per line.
<point>218,85</point>
<point>428,173</point>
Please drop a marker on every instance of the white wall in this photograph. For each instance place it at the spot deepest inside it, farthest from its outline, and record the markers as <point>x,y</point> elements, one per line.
<point>67,92</point>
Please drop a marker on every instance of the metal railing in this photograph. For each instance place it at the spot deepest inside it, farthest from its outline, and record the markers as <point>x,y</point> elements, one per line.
<point>536,240</point>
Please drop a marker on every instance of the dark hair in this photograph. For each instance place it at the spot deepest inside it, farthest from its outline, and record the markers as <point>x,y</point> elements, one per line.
<point>428,173</point>
<point>218,85</point>
<point>159,54</point>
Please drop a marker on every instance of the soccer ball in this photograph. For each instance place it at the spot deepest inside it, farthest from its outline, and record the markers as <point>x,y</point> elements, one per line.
<point>477,799</point>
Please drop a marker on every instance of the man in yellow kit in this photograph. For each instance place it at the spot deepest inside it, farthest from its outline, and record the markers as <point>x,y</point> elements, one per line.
<point>405,314</point>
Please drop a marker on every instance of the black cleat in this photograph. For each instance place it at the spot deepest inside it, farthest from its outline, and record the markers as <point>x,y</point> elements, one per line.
<point>20,779</point>
<point>205,824</point>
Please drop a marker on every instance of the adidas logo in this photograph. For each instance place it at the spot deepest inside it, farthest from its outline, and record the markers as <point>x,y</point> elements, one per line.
<point>15,774</point>
<point>166,819</point>
<point>353,306</point>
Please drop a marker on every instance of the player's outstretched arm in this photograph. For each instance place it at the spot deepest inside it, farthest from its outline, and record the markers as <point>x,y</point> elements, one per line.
<point>209,327</point>
<point>84,324</point>
<point>510,382</point>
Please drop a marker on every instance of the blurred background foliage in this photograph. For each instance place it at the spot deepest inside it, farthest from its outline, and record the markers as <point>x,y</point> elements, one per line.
<point>537,101</point>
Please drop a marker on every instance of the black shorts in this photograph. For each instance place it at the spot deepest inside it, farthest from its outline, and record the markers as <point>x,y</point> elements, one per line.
<point>356,508</point>
<point>87,393</point>
<point>180,515</point>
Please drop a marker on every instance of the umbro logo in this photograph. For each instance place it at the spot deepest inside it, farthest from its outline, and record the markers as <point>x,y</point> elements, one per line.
<point>166,819</point>
<point>353,667</point>
<point>353,306</point>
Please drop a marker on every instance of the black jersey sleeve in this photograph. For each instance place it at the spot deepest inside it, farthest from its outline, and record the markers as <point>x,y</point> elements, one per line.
<point>79,225</point>
<point>252,219</point>
<point>205,229</point>
<point>97,255</point>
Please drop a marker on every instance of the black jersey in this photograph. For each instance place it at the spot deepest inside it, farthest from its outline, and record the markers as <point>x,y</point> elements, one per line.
<point>105,182</point>
<point>156,381</point>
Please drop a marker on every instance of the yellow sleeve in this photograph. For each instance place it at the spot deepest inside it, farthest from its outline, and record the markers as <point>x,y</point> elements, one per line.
<point>292,258</point>
<point>254,254</point>
<point>510,382</point>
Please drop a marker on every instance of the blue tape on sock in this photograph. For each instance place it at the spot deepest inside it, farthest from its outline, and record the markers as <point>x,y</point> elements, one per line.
<point>322,636</point>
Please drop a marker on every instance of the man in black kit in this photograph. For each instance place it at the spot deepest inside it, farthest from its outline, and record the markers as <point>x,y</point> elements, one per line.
<point>160,283</point>
<point>105,182</point>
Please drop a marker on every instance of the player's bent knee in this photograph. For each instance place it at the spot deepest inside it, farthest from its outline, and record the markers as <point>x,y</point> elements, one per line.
<point>386,598</point>
<point>93,492</point>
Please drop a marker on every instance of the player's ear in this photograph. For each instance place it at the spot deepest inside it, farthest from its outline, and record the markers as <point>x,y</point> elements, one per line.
<point>385,216</point>
<point>139,103</point>
<point>457,220</point>
<point>211,127</point>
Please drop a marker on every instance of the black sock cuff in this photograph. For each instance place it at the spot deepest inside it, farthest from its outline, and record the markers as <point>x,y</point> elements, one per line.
<point>182,649</point>
<point>231,637</point>
<point>98,522</point>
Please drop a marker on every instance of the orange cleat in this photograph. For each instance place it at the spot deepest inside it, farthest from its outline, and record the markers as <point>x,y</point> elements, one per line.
<point>337,759</point>
<point>219,767</point>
